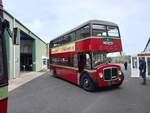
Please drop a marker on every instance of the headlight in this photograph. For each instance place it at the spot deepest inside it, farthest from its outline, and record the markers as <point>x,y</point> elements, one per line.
<point>101,75</point>
<point>119,72</point>
<point>119,79</point>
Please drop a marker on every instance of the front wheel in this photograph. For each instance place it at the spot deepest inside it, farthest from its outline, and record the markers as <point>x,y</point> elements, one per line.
<point>87,83</point>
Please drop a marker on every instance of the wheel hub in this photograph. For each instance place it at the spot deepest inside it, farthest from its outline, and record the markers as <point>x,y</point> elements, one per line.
<point>86,83</point>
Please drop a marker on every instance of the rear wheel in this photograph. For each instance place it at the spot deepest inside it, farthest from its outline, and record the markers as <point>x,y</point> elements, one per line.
<point>87,83</point>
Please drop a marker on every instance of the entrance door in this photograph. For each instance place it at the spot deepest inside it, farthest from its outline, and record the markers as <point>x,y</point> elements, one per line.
<point>81,61</point>
<point>134,66</point>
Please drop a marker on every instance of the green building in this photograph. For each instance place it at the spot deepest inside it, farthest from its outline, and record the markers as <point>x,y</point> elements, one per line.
<point>26,51</point>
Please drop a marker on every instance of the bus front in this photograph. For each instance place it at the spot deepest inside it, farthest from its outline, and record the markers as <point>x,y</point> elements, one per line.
<point>104,39</point>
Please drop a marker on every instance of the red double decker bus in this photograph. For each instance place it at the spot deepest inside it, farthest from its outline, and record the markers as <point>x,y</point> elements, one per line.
<point>3,64</point>
<point>80,55</point>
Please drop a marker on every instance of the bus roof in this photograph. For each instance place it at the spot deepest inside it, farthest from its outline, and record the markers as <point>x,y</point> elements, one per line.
<point>102,22</point>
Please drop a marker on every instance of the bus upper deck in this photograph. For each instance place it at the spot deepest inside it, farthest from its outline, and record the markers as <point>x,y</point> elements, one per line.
<point>100,35</point>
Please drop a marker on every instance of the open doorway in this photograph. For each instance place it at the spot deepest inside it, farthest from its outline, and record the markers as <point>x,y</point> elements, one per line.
<point>26,53</point>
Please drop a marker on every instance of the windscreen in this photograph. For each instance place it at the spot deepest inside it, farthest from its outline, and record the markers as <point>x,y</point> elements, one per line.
<point>98,59</point>
<point>105,30</point>
<point>1,59</point>
<point>99,30</point>
<point>113,31</point>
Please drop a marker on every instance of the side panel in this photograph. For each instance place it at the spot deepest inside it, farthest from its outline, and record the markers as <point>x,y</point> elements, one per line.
<point>66,73</point>
<point>3,99</point>
<point>97,44</point>
<point>62,55</point>
<point>40,50</point>
<point>3,106</point>
<point>83,46</point>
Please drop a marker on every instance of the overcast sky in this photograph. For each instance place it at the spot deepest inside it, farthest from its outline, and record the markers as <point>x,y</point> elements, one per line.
<point>50,18</point>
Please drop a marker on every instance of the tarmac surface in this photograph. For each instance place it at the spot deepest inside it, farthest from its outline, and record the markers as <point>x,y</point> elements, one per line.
<point>46,94</point>
<point>23,79</point>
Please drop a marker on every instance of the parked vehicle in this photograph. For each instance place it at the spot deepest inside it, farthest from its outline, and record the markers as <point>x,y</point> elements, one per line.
<point>4,25</point>
<point>80,55</point>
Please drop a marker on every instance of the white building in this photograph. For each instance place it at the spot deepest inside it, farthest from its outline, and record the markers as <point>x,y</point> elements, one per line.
<point>135,61</point>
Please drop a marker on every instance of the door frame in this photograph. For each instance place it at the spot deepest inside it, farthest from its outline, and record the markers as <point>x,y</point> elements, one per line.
<point>135,71</point>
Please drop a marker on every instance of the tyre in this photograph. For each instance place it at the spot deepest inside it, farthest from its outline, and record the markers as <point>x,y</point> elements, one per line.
<point>87,83</point>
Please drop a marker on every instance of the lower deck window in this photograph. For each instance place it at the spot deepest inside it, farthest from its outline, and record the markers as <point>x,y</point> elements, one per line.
<point>62,61</point>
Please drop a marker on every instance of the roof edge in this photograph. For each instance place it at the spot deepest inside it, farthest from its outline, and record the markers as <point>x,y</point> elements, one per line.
<point>24,26</point>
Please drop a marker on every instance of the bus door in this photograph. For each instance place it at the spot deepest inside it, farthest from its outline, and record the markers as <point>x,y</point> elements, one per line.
<point>81,61</point>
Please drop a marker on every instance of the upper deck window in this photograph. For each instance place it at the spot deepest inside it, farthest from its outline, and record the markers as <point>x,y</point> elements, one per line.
<point>113,31</point>
<point>99,30</point>
<point>68,38</point>
<point>83,32</point>
<point>1,59</point>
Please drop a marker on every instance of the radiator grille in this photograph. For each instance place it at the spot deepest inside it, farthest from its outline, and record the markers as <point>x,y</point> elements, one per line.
<point>110,73</point>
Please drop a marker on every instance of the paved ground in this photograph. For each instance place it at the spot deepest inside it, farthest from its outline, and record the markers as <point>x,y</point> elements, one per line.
<point>23,79</point>
<point>46,94</point>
